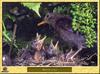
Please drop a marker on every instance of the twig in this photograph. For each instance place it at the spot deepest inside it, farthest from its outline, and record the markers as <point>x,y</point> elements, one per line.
<point>13,38</point>
<point>69,54</point>
<point>91,56</point>
<point>75,53</point>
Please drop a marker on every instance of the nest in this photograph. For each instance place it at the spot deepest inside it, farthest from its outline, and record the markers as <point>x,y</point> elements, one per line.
<point>63,59</point>
<point>38,55</point>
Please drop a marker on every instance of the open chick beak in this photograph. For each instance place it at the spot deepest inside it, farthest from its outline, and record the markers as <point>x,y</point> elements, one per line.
<point>41,23</point>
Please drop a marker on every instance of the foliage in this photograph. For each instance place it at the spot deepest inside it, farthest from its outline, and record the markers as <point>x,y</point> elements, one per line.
<point>60,9</point>
<point>7,35</point>
<point>34,6</point>
<point>84,21</point>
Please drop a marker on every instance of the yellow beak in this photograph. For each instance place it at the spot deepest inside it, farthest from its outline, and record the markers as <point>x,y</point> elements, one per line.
<point>41,23</point>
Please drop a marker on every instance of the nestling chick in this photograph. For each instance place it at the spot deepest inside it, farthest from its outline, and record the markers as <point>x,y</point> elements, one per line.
<point>37,44</point>
<point>52,50</point>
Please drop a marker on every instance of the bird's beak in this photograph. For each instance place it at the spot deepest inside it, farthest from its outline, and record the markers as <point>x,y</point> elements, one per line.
<point>52,43</point>
<point>42,23</point>
<point>42,40</point>
<point>56,45</point>
<point>38,36</point>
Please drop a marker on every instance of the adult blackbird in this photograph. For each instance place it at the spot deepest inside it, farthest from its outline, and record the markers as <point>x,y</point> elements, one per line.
<point>62,26</point>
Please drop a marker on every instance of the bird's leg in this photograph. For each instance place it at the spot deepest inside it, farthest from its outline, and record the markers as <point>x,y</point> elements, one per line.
<point>75,53</point>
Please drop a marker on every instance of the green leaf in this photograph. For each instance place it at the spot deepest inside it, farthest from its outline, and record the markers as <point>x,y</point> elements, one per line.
<point>33,6</point>
<point>83,14</point>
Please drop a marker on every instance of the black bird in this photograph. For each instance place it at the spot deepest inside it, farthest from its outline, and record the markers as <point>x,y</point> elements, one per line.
<point>62,26</point>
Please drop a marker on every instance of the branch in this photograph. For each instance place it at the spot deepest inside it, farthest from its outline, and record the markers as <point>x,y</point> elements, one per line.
<point>76,53</point>
<point>91,56</point>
